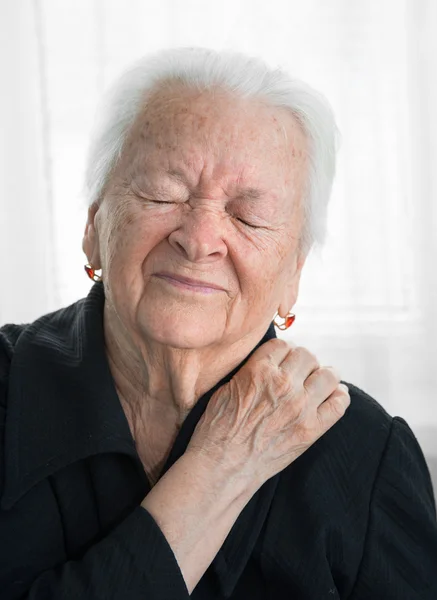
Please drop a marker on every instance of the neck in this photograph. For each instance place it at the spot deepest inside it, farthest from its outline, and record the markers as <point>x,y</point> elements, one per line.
<point>160,384</point>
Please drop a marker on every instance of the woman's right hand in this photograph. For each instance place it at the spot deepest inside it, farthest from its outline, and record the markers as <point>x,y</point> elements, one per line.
<point>277,405</point>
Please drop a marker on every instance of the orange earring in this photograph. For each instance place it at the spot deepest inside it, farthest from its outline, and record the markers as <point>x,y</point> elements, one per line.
<point>288,320</point>
<point>91,272</point>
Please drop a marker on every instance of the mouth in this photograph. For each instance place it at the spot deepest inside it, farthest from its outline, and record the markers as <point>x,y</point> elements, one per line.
<point>189,286</point>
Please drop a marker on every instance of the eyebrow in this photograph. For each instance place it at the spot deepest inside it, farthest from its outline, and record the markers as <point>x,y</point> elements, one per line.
<point>249,193</point>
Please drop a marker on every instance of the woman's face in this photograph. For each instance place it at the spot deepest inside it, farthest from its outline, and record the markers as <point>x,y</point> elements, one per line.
<point>209,187</point>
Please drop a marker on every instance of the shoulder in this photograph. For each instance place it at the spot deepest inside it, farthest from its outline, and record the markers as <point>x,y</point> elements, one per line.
<point>367,436</point>
<point>365,446</point>
<point>367,453</point>
<point>351,450</point>
<point>365,419</point>
<point>374,430</point>
<point>51,329</point>
<point>9,335</point>
<point>363,482</point>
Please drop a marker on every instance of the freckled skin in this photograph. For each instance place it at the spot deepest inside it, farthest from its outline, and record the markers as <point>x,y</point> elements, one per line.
<point>166,348</point>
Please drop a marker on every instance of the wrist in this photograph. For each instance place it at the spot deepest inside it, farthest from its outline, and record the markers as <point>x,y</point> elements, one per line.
<point>215,478</point>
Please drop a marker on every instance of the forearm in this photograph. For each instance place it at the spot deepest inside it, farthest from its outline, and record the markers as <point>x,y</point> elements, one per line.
<point>195,508</point>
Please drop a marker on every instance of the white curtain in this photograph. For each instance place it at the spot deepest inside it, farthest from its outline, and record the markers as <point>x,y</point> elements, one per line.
<point>368,301</point>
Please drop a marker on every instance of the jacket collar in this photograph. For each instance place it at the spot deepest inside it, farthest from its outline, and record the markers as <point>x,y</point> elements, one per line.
<point>62,407</point>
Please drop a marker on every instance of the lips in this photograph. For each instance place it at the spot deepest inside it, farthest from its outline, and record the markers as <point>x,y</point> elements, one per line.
<point>188,281</point>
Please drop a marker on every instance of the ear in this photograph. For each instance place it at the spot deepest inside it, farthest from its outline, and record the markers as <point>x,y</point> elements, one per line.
<point>90,242</point>
<point>291,288</point>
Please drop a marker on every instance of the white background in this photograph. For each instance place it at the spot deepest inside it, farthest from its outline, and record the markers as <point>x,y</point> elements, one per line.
<point>368,301</point>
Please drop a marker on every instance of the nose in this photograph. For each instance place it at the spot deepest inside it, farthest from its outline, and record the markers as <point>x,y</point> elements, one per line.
<point>199,238</point>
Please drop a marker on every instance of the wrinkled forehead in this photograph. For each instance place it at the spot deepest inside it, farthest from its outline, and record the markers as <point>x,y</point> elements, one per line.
<point>181,128</point>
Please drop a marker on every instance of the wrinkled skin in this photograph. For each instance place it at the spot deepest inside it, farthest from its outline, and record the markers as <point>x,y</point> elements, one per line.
<point>210,187</point>
<point>275,407</point>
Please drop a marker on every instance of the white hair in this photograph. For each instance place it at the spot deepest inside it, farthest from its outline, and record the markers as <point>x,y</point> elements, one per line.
<point>202,69</point>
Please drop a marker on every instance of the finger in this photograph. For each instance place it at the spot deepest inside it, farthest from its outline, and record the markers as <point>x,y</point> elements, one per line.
<point>334,407</point>
<point>300,364</point>
<point>275,350</point>
<point>320,385</point>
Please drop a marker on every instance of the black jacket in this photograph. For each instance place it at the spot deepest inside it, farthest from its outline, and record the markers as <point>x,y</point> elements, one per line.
<point>354,517</point>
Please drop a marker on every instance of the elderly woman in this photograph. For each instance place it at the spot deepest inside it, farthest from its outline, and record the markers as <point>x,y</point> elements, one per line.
<point>158,440</point>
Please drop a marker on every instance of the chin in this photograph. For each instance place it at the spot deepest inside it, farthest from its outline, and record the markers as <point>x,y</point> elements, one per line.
<point>180,333</point>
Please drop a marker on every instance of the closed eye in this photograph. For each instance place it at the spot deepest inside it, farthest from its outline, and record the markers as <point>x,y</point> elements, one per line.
<point>169,202</point>
<point>138,192</point>
<point>247,224</point>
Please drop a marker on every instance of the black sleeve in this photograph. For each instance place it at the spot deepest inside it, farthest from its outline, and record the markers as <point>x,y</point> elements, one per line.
<point>134,562</point>
<point>400,554</point>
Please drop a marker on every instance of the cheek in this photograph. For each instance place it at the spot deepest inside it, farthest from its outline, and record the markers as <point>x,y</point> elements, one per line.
<point>265,254</point>
<point>262,270</point>
<point>258,274</point>
<point>122,235</point>
<point>137,235</point>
